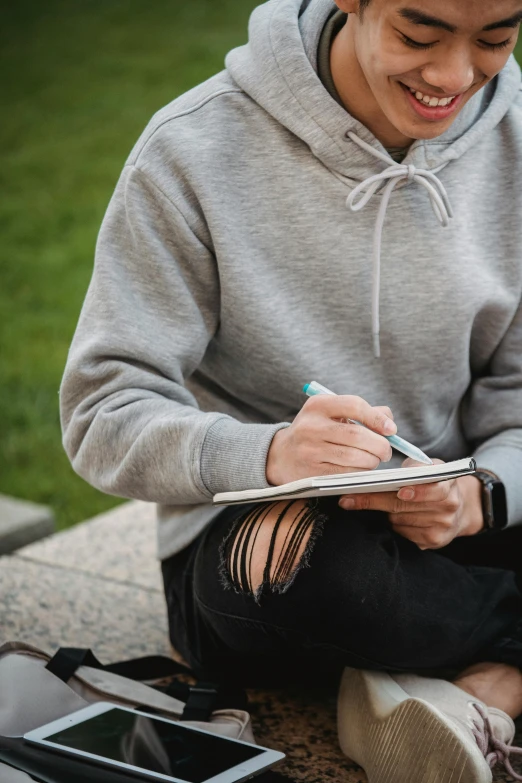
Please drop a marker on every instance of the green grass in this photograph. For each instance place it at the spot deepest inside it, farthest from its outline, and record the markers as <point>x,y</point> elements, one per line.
<point>80,79</point>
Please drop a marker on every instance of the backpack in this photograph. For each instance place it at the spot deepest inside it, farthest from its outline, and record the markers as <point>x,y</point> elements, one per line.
<point>37,688</point>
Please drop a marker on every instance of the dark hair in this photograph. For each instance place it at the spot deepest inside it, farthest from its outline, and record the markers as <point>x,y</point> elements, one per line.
<point>363,4</point>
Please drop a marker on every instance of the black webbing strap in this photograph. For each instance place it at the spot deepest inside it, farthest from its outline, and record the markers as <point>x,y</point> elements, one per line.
<point>205,697</point>
<point>201,702</point>
<point>67,660</point>
<point>200,699</point>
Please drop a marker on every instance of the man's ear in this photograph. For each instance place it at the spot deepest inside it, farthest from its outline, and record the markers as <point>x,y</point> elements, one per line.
<point>348,6</point>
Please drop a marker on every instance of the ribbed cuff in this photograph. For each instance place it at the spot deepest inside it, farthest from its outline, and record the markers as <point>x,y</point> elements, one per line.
<point>506,463</point>
<point>234,455</point>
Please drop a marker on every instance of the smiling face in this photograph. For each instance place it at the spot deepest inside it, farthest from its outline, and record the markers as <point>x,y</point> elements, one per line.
<point>419,62</point>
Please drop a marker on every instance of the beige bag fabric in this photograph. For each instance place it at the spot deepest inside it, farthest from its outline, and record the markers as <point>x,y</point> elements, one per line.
<point>31,696</point>
<point>10,775</point>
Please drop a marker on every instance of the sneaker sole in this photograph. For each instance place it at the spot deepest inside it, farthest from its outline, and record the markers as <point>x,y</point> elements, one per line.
<point>399,739</point>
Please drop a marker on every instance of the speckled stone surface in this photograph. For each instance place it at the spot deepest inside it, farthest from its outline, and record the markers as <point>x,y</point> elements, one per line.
<point>302,723</point>
<point>52,607</point>
<point>98,585</point>
<point>119,545</point>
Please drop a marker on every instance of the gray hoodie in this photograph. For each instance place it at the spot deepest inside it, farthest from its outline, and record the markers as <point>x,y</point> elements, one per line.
<point>241,256</point>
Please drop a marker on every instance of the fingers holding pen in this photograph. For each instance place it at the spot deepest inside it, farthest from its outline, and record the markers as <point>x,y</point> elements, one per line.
<point>353,436</point>
<point>326,438</point>
<point>343,459</point>
<point>346,406</point>
<point>329,447</point>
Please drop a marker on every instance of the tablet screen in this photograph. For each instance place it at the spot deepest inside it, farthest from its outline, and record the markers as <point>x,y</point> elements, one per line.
<point>155,745</point>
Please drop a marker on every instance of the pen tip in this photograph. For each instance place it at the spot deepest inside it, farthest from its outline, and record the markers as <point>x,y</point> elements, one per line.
<point>305,387</point>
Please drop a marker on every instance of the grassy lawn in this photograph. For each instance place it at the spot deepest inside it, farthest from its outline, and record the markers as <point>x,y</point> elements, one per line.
<point>80,81</point>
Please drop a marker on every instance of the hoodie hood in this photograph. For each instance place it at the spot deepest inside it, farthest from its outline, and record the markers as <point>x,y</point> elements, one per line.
<point>278,70</point>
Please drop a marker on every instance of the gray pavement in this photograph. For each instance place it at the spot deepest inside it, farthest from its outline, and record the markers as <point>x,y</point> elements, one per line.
<point>97,585</point>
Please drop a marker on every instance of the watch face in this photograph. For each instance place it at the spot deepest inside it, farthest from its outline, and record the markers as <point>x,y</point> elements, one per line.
<point>494,501</point>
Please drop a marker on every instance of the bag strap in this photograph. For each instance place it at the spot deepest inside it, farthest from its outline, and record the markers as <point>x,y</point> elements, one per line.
<point>200,699</point>
<point>67,660</point>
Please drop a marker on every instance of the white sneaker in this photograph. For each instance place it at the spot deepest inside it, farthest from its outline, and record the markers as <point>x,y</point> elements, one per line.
<point>408,729</point>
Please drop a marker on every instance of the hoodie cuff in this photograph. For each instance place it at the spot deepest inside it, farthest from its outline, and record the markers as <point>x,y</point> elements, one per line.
<point>506,463</point>
<point>234,455</point>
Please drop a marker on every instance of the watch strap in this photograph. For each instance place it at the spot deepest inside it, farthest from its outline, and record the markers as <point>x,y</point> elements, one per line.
<point>494,503</point>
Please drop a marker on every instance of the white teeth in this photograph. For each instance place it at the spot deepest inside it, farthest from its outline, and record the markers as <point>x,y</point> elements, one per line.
<point>431,101</point>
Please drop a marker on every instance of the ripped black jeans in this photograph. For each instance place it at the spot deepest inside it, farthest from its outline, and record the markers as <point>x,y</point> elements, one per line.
<point>357,594</point>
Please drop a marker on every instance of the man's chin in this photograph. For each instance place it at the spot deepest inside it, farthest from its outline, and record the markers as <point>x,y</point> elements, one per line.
<point>422,131</point>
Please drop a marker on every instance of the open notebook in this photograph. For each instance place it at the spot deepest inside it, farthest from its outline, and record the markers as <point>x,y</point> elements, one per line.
<point>352,483</point>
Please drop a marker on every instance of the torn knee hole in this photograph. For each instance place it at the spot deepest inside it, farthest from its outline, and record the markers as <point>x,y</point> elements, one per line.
<point>269,545</point>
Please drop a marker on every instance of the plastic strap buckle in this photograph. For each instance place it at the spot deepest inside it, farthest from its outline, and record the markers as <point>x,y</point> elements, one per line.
<point>201,702</point>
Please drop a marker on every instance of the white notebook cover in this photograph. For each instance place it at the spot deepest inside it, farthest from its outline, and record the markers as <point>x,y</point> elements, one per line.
<point>351,483</point>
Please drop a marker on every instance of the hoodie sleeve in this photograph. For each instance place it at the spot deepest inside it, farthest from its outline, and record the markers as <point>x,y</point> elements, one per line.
<point>492,417</point>
<point>130,426</point>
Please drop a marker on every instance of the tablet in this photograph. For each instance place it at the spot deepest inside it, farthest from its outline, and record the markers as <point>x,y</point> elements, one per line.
<point>152,747</point>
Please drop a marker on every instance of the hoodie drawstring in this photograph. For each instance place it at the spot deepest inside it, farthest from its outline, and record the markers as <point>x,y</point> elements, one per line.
<point>394,174</point>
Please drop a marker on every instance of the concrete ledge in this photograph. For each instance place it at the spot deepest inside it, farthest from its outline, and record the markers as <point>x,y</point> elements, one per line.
<point>119,545</point>
<point>22,522</point>
<point>53,607</point>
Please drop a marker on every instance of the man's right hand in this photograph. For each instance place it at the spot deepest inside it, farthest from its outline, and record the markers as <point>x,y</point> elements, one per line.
<point>320,442</point>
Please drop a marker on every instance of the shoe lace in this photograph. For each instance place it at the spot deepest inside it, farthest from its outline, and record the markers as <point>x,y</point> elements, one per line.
<point>495,751</point>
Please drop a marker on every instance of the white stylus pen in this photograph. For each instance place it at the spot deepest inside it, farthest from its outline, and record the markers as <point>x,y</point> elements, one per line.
<point>314,388</point>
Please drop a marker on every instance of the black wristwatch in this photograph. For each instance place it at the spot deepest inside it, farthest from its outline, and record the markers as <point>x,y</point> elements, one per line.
<point>494,501</point>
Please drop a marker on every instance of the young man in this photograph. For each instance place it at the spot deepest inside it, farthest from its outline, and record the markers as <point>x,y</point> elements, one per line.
<point>343,204</point>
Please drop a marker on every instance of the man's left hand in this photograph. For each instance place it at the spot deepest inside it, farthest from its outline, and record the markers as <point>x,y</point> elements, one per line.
<point>430,515</point>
